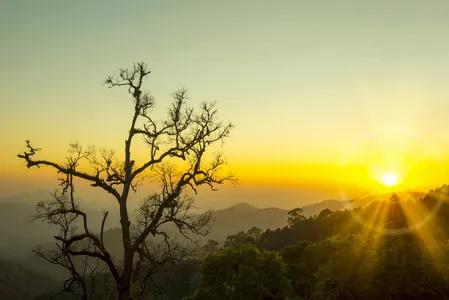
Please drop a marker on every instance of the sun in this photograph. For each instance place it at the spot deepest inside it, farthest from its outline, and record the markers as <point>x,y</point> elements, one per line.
<point>389,179</point>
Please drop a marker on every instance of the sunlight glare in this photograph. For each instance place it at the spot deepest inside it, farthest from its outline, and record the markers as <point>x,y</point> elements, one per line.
<point>390,179</point>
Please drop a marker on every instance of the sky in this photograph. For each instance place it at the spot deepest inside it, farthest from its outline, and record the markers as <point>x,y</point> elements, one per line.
<point>326,96</point>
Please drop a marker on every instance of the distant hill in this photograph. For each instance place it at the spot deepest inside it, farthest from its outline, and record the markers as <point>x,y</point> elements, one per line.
<point>19,283</point>
<point>414,214</point>
<point>240,207</point>
<point>26,234</point>
<point>239,217</point>
<point>17,244</point>
<point>367,200</point>
<point>316,208</point>
<point>242,217</point>
<point>16,212</point>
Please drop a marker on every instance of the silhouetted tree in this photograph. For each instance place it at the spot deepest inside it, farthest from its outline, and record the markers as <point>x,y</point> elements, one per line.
<point>177,155</point>
<point>210,247</point>
<point>295,216</point>
<point>325,213</point>
<point>241,238</point>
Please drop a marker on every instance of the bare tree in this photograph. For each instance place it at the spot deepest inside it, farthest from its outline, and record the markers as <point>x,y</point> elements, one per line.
<point>63,211</point>
<point>177,155</point>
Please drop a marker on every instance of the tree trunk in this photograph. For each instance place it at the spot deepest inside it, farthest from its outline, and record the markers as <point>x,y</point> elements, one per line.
<point>125,282</point>
<point>124,292</point>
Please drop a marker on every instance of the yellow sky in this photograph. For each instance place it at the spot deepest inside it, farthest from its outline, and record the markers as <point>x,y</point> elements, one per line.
<point>325,99</point>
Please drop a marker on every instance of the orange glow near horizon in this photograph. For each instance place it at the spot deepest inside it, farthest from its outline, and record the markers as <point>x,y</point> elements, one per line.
<point>362,175</point>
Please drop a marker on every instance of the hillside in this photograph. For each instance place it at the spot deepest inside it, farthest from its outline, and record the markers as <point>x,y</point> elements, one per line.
<point>316,208</point>
<point>242,217</point>
<point>16,212</point>
<point>19,283</point>
<point>367,200</point>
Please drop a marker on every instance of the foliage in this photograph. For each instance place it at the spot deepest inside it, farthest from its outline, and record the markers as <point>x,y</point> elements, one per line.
<point>396,268</point>
<point>334,256</point>
<point>241,238</point>
<point>244,273</point>
<point>295,216</point>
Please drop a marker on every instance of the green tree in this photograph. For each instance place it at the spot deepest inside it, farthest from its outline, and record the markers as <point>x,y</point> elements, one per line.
<point>211,247</point>
<point>349,269</point>
<point>241,238</point>
<point>381,267</point>
<point>325,213</point>
<point>295,216</point>
<point>244,273</point>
